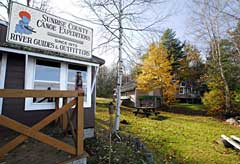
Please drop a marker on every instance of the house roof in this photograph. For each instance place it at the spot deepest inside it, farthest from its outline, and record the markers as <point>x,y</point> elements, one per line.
<point>3,43</point>
<point>130,86</point>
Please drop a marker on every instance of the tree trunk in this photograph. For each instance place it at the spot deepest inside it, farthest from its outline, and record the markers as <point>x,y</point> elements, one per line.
<point>28,3</point>
<point>227,92</point>
<point>226,87</point>
<point>119,80</point>
<point>8,9</point>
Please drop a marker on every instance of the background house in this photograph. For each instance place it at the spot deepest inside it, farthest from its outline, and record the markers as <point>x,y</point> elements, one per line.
<point>186,93</point>
<point>133,97</point>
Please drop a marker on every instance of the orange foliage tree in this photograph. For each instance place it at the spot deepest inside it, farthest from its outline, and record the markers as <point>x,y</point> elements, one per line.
<point>156,73</point>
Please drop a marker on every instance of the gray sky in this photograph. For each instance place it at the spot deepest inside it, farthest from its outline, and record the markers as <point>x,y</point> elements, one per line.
<point>178,20</point>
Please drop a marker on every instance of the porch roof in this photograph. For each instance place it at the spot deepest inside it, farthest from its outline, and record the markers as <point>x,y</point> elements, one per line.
<point>130,86</point>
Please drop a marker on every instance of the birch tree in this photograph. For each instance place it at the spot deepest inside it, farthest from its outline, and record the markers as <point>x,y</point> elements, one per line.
<point>230,13</point>
<point>122,20</point>
<point>211,27</point>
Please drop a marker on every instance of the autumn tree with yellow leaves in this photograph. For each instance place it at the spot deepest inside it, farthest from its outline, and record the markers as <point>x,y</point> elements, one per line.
<point>156,73</point>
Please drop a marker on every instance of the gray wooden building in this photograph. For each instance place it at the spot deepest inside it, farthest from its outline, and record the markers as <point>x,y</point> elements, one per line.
<point>133,97</point>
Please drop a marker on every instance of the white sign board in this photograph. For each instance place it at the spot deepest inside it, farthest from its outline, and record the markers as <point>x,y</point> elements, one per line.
<point>34,28</point>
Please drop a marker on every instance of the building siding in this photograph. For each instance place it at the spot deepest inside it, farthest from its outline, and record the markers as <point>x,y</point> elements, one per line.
<point>14,108</point>
<point>3,32</point>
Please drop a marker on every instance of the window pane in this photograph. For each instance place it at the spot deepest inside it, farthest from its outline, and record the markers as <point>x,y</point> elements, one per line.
<point>47,71</point>
<point>181,91</point>
<point>72,87</point>
<point>72,71</point>
<point>47,77</point>
<point>46,86</point>
<point>183,84</point>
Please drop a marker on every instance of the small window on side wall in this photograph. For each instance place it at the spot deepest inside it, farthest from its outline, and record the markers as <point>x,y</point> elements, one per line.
<point>181,90</point>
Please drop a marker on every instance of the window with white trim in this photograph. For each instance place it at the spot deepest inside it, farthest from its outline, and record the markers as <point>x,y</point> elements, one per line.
<point>72,71</point>
<point>47,77</point>
<point>182,90</point>
<point>182,84</point>
<point>54,75</point>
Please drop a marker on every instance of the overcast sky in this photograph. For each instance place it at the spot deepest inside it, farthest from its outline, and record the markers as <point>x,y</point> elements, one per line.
<point>178,20</point>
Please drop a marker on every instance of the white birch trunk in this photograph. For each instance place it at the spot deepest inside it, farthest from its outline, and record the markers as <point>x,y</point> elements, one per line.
<point>226,87</point>
<point>119,80</point>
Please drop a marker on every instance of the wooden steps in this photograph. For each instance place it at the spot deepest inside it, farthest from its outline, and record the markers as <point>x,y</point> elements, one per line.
<point>234,141</point>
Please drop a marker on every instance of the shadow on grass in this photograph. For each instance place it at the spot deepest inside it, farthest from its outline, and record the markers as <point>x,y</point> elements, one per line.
<point>185,111</point>
<point>102,104</point>
<point>160,118</point>
<point>99,121</point>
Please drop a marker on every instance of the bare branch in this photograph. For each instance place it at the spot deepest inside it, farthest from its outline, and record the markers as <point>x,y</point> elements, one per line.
<point>3,5</point>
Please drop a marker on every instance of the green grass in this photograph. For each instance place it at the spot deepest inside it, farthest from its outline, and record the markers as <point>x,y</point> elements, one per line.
<point>176,138</point>
<point>189,106</point>
<point>103,100</point>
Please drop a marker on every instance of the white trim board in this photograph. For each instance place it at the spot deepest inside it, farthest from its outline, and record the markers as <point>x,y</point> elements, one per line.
<point>3,22</point>
<point>95,77</point>
<point>3,75</point>
<point>94,87</point>
<point>47,56</point>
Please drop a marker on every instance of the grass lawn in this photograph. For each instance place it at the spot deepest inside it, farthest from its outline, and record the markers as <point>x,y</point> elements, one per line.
<point>189,106</point>
<point>177,138</point>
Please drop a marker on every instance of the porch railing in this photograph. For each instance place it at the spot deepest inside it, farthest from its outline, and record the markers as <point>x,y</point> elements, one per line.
<point>34,131</point>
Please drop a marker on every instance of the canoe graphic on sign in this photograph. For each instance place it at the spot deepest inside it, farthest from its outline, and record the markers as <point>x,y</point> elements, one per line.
<point>23,26</point>
<point>33,28</point>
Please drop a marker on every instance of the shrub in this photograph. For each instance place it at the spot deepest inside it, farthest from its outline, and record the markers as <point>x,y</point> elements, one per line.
<point>235,101</point>
<point>237,95</point>
<point>214,101</point>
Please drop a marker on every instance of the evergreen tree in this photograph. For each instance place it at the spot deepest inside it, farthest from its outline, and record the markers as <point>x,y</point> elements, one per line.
<point>235,39</point>
<point>174,48</point>
<point>192,67</point>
